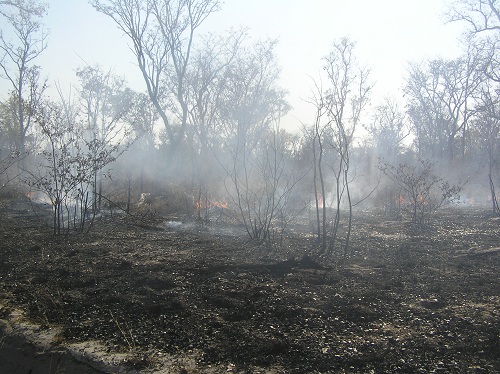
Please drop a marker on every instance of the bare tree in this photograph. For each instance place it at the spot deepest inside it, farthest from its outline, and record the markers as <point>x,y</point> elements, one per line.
<point>483,19</point>
<point>486,133</point>
<point>26,6</point>
<point>481,15</point>
<point>388,129</point>
<point>339,108</point>
<point>318,177</point>
<point>250,110</point>
<point>387,132</point>
<point>207,80</point>
<point>21,42</point>
<point>162,34</point>
<point>67,163</point>
<point>422,191</point>
<point>208,77</point>
<point>106,101</point>
<point>439,104</point>
<point>62,167</point>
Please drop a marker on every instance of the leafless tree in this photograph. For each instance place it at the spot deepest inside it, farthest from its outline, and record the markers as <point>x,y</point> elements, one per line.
<point>26,6</point>
<point>207,80</point>
<point>339,107</point>
<point>21,43</point>
<point>64,169</point>
<point>106,101</point>
<point>481,15</point>
<point>440,97</point>
<point>422,191</point>
<point>251,106</point>
<point>387,132</point>
<point>483,19</point>
<point>486,135</point>
<point>162,36</point>
<point>318,176</point>
<point>388,129</point>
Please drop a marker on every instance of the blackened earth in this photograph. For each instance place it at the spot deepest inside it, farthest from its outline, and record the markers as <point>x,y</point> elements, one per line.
<point>407,299</point>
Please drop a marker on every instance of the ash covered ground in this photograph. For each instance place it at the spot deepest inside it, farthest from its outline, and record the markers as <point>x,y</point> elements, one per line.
<point>161,295</point>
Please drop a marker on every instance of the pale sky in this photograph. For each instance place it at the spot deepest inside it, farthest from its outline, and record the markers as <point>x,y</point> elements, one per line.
<point>388,33</point>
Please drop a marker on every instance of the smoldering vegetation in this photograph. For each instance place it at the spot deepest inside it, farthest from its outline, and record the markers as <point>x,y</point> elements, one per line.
<point>209,133</point>
<point>204,151</point>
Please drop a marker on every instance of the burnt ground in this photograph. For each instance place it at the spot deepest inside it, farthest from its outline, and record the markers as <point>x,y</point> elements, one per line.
<point>174,300</point>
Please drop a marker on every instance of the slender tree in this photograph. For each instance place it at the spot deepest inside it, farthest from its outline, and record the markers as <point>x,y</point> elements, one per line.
<point>483,20</point>
<point>486,135</point>
<point>251,107</point>
<point>207,80</point>
<point>339,107</point>
<point>482,16</point>
<point>162,36</point>
<point>106,102</point>
<point>22,41</point>
<point>439,104</point>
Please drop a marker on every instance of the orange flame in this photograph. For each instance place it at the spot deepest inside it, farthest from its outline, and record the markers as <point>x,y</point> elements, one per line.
<point>207,204</point>
<point>422,200</point>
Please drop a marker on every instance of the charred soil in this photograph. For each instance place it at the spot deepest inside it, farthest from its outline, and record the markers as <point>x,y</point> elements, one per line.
<point>167,299</point>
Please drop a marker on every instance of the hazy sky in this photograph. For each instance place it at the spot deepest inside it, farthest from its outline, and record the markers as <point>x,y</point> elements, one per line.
<point>388,33</point>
